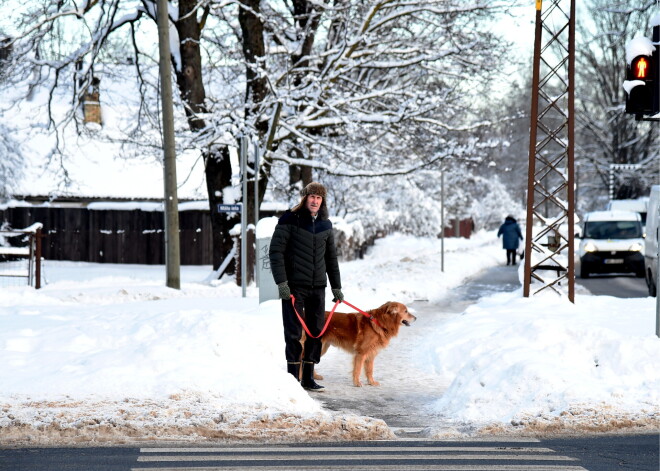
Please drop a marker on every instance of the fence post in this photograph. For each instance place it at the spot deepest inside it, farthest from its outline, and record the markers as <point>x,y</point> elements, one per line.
<point>37,267</point>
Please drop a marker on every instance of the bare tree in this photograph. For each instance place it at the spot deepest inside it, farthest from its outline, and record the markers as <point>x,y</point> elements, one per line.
<point>366,88</point>
<point>605,134</point>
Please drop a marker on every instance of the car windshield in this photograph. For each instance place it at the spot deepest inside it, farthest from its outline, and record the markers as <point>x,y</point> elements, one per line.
<point>613,230</point>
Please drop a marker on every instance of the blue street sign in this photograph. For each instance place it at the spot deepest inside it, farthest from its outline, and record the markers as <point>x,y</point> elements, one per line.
<point>229,208</point>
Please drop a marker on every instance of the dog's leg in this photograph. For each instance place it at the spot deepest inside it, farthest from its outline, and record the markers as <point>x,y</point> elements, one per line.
<point>358,363</point>
<point>369,370</point>
<point>324,349</point>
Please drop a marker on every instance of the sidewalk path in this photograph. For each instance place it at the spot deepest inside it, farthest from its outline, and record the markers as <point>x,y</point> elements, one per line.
<point>408,386</point>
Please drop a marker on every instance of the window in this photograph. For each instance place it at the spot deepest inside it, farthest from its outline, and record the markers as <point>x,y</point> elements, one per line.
<point>613,230</point>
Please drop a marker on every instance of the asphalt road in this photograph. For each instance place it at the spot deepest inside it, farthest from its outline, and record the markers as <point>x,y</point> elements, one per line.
<point>636,453</point>
<point>619,285</point>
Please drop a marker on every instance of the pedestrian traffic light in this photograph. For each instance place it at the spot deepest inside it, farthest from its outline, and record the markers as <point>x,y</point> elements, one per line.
<point>642,83</point>
<point>642,86</point>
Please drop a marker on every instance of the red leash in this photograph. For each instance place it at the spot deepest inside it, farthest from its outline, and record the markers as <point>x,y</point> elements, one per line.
<point>368,316</point>
<point>327,322</point>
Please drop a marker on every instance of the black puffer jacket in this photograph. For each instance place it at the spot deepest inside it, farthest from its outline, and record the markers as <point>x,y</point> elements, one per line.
<point>303,250</point>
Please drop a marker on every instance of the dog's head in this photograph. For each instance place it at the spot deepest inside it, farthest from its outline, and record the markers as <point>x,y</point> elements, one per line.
<point>393,315</point>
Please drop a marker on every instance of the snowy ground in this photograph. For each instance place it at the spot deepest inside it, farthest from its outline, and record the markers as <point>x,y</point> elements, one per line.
<point>106,353</point>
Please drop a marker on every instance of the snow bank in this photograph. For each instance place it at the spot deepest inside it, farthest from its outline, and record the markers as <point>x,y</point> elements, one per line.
<point>107,353</point>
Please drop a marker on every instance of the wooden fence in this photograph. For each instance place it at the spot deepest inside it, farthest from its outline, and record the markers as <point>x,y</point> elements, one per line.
<point>114,236</point>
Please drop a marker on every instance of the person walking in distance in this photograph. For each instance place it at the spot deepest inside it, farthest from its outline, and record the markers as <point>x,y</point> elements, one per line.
<point>303,257</point>
<point>511,237</point>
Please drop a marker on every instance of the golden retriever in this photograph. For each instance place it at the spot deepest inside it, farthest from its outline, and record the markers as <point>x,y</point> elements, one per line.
<point>364,336</point>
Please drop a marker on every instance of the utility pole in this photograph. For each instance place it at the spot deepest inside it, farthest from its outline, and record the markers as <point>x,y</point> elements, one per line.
<point>171,210</point>
<point>549,241</point>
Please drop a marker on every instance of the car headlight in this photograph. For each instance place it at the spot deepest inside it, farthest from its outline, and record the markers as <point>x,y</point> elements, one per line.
<point>590,247</point>
<point>636,247</point>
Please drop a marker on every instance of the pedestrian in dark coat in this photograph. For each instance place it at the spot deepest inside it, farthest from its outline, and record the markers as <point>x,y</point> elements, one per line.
<point>303,256</point>
<point>511,237</point>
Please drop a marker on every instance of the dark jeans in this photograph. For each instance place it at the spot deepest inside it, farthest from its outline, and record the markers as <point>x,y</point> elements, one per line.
<point>310,304</point>
<point>510,256</point>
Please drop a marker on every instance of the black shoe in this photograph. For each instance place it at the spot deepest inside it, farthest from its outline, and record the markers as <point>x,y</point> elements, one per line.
<point>293,367</point>
<point>308,378</point>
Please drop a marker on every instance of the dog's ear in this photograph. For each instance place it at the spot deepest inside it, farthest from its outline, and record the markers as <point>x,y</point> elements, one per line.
<point>389,315</point>
<point>393,308</point>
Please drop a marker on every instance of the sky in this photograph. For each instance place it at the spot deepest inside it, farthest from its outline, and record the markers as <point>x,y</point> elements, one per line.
<point>107,353</point>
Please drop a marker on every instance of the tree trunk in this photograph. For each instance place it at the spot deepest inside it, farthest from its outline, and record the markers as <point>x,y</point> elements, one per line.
<point>216,160</point>
<point>218,177</point>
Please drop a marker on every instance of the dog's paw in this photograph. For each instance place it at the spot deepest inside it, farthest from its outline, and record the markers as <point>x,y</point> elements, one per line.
<point>374,383</point>
<point>317,376</point>
<point>358,384</point>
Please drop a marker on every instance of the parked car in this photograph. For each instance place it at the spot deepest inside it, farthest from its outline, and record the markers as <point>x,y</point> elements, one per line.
<point>651,241</point>
<point>611,242</point>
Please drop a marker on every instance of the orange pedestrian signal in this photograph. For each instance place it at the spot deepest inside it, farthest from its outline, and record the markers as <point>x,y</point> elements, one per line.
<point>642,83</point>
<point>642,88</point>
<point>640,68</point>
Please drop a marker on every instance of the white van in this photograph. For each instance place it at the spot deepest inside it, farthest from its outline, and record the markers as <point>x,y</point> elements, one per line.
<point>611,242</point>
<point>651,240</point>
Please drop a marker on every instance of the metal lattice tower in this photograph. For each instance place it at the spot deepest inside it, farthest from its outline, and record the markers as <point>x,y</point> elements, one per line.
<point>549,242</point>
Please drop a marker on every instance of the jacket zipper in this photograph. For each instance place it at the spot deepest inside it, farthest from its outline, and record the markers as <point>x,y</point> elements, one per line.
<point>313,251</point>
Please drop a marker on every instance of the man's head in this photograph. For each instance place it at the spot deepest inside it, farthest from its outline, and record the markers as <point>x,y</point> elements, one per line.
<point>313,199</point>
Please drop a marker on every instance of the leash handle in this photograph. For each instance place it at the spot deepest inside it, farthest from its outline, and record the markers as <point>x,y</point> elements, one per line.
<point>302,321</point>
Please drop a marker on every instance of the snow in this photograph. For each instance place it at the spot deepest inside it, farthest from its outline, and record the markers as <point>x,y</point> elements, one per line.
<point>127,174</point>
<point>107,353</point>
<point>655,20</point>
<point>638,46</point>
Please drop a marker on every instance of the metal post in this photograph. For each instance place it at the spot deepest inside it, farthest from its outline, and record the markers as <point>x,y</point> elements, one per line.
<point>31,257</point>
<point>171,210</point>
<point>657,285</point>
<point>37,273</point>
<point>570,156</point>
<point>244,215</point>
<point>442,221</point>
<point>532,152</point>
<point>550,195</point>
<point>657,276</point>
<point>256,207</point>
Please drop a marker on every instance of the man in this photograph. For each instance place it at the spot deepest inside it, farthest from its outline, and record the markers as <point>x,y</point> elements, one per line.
<point>302,253</point>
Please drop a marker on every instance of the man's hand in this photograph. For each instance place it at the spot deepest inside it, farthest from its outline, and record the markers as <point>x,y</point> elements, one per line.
<point>285,292</point>
<point>337,295</point>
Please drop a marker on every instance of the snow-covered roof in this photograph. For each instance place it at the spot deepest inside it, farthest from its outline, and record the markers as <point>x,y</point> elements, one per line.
<point>94,162</point>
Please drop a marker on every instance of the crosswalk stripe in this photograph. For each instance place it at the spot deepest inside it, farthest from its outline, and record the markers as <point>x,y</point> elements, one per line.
<point>313,449</point>
<point>473,457</point>
<point>345,457</point>
<point>379,467</point>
